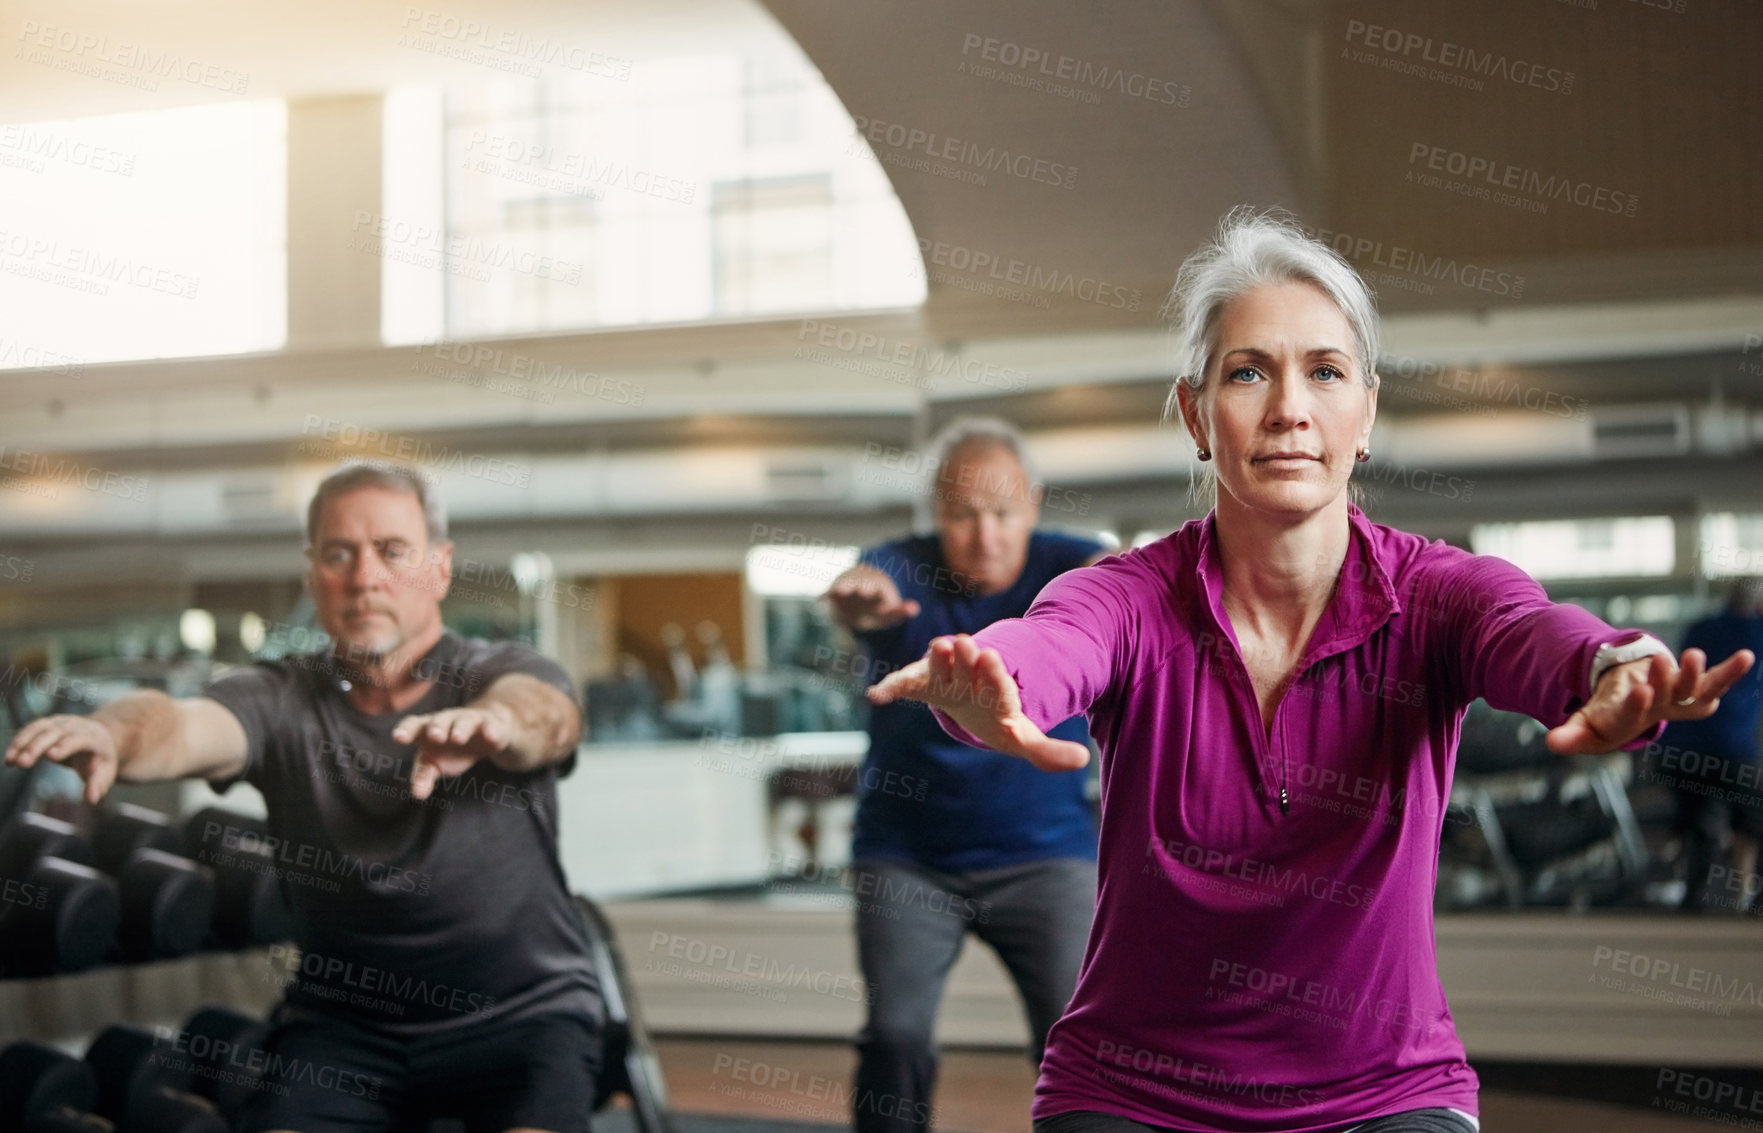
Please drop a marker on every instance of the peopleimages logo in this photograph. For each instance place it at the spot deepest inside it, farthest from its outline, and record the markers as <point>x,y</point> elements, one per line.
<point>1484,64</point>
<point>1361,249</point>
<point>1007,269</point>
<point>134,64</point>
<point>988,159</point>
<point>1502,175</point>
<point>933,361</point>
<point>331,977</point>
<point>1047,71</point>
<point>42,473</point>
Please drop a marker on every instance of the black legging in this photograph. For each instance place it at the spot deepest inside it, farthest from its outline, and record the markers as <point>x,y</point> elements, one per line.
<point>1411,1121</point>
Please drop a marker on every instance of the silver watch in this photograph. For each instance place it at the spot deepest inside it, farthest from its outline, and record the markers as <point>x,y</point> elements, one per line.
<point>1607,655</point>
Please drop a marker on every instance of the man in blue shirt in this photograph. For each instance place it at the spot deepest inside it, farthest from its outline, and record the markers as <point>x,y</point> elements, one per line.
<point>952,839</point>
<point>1713,764</point>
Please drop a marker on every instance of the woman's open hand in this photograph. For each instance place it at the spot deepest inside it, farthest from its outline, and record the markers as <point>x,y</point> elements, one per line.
<point>973,687</point>
<point>1632,697</point>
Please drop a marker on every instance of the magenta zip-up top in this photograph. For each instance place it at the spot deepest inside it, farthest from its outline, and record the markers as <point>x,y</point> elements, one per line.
<point>1254,970</point>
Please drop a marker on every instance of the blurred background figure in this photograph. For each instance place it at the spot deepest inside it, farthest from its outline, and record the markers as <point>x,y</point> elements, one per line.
<point>1713,765</point>
<point>951,838</point>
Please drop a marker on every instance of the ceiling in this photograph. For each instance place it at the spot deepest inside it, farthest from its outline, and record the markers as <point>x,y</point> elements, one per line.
<point>1638,108</point>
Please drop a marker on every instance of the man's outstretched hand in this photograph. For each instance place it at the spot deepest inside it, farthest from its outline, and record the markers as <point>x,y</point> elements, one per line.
<point>973,687</point>
<point>1632,697</point>
<point>864,599</point>
<point>449,742</point>
<point>79,742</point>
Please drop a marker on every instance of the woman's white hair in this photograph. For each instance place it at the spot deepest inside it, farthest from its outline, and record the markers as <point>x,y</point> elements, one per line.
<point>1254,249</point>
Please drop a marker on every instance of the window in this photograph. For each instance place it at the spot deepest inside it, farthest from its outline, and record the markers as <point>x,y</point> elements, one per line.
<point>803,571</point>
<point>149,235</point>
<point>1630,547</point>
<point>774,245</point>
<point>1732,544</point>
<point>709,187</point>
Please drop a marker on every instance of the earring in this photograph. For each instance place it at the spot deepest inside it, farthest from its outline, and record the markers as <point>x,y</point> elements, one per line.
<point>1205,454</point>
<point>1363,455</point>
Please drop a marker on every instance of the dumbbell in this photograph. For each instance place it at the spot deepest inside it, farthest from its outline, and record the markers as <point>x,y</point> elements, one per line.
<point>144,1084</point>
<point>30,836</point>
<point>38,1082</point>
<point>232,1048</point>
<point>167,904</point>
<point>124,828</point>
<point>249,905</point>
<point>167,899</point>
<point>59,914</point>
<point>135,1077</point>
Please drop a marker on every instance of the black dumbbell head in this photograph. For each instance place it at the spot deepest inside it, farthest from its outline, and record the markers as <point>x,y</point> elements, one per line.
<point>167,904</point>
<point>30,836</point>
<point>215,829</point>
<point>249,905</point>
<point>126,828</point>
<point>68,925</point>
<point>131,1063</point>
<point>36,1079</point>
<point>231,1047</point>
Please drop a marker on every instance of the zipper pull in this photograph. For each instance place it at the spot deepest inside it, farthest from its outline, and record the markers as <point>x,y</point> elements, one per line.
<point>1285,802</point>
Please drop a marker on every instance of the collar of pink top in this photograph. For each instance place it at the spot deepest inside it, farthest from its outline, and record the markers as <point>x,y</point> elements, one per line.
<point>1363,599</point>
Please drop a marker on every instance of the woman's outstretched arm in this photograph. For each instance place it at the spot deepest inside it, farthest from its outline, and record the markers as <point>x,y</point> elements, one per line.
<point>1526,653</point>
<point>970,687</point>
<point>1005,686</point>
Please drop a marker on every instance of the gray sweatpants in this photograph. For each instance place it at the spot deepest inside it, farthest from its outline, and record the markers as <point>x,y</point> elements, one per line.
<point>911,922</point>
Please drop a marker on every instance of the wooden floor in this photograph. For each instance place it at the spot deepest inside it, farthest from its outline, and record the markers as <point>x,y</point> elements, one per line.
<point>988,1092</point>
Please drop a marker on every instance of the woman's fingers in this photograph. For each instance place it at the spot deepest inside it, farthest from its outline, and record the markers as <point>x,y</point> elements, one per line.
<point>1721,677</point>
<point>907,682</point>
<point>973,686</point>
<point>1689,673</point>
<point>941,656</point>
<point>964,654</point>
<point>995,687</point>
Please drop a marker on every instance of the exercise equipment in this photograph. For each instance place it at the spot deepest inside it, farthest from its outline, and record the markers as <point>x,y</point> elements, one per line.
<point>167,905</point>
<point>250,907</point>
<point>231,1050</point>
<point>124,828</point>
<point>144,1084</point>
<point>58,913</point>
<point>30,836</point>
<point>167,900</point>
<point>61,917</point>
<point>37,1080</point>
<point>630,1065</point>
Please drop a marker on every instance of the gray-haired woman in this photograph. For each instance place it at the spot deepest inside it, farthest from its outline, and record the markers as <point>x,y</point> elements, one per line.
<point>1277,692</point>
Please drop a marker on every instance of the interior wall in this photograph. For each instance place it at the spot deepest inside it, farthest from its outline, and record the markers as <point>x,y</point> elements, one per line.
<point>646,603</point>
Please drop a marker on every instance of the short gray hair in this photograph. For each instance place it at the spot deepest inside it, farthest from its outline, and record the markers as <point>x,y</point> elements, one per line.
<point>377,474</point>
<point>975,430</point>
<point>1255,249</point>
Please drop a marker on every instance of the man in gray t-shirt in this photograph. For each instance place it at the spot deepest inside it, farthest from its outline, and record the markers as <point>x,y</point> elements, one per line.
<point>410,774</point>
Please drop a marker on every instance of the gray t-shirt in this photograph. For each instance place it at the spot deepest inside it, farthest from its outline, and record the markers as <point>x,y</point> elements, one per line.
<point>414,917</point>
